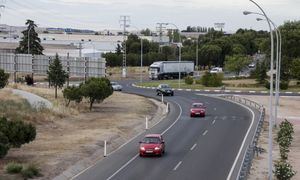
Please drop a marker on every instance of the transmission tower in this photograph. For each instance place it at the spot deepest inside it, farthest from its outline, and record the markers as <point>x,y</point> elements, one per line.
<point>160,28</point>
<point>124,22</point>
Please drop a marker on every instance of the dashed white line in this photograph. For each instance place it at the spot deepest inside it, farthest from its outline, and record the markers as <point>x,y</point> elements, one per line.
<point>215,109</point>
<point>193,147</point>
<point>177,166</point>
<point>206,131</point>
<point>207,90</point>
<point>214,121</point>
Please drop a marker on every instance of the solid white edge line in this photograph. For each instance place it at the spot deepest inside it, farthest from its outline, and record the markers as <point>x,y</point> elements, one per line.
<point>128,162</point>
<point>193,147</point>
<point>244,141</point>
<point>177,166</point>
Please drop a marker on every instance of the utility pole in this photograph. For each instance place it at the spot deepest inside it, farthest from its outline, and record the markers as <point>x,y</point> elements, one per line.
<point>124,22</point>
<point>80,49</point>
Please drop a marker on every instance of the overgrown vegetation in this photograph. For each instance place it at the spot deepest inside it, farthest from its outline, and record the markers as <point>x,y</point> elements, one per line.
<point>189,80</point>
<point>72,94</point>
<point>13,168</point>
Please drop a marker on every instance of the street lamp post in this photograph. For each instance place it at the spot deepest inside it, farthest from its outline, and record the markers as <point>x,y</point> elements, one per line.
<point>278,64</point>
<point>179,56</point>
<point>270,174</point>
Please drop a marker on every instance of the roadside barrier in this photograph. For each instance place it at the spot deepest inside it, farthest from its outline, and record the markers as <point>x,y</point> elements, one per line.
<point>252,149</point>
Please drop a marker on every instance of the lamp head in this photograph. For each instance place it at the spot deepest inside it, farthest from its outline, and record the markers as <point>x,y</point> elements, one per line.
<point>247,12</point>
<point>259,19</point>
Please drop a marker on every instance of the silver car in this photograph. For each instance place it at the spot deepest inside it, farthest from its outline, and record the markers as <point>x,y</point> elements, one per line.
<point>116,86</point>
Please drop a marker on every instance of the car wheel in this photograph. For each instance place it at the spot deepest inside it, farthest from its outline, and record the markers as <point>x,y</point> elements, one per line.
<point>157,93</point>
<point>172,94</point>
<point>141,155</point>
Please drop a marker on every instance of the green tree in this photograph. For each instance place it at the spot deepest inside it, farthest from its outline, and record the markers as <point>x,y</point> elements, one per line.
<point>261,73</point>
<point>167,52</point>
<point>212,79</point>
<point>3,78</point>
<point>238,49</point>
<point>14,134</point>
<point>96,89</point>
<point>56,75</point>
<point>72,94</point>
<point>209,55</point>
<point>35,46</point>
<point>146,32</point>
<point>236,63</point>
<point>296,68</point>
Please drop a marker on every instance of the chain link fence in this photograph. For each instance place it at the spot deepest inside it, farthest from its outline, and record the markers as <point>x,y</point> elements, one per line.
<point>252,149</point>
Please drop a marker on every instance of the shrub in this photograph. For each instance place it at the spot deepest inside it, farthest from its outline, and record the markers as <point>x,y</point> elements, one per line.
<point>283,170</point>
<point>30,171</point>
<point>3,78</point>
<point>284,85</point>
<point>29,80</point>
<point>72,94</point>
<point>13,168</point>
<point>212,80</point>
<point>198,81</point>
<point>189,80</point>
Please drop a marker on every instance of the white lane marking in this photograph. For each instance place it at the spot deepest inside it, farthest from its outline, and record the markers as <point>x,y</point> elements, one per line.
<point>215,109</point>
<point>227,90</point>
<point>217,90</point>
<point>138,154</point>
<point>188,90</point>
<point>244,141</point>
<point>179,89</point>
<point>263,91</point>
<point>252,91</point>
<point>207,90</point>
<point>213,122</point>
<point>288,92</point>
<point>177,166</point>
<point>123,167</point>
<point>197,90</point>
<point>206,131</point>
<point>193,147</point>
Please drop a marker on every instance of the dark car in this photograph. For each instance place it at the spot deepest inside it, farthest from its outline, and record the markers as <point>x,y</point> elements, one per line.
<point>164,89</point>
<point>197,109</point>
<point>152,144</point>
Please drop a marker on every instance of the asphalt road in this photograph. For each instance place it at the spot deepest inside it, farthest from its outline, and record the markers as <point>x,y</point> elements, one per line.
<point>209,148</point>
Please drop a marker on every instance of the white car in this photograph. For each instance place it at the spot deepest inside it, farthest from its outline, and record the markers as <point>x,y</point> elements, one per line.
<point>116,86</point>
<point>216,70</point>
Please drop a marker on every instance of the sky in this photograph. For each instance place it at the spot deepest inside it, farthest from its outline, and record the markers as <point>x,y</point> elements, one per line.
<point>105,14</point>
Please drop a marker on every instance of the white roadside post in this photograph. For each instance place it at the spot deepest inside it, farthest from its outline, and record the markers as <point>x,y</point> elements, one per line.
<point>146,122</point>
<point>105,146</point>
<point>162,97</point>
<point>167,109</point>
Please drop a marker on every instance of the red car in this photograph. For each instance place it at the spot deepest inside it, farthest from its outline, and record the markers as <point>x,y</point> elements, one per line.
<point>198,109</point>
<point>152,144</point>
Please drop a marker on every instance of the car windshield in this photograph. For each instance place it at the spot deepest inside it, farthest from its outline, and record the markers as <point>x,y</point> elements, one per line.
<point>113,83</point>
<point>197,105</point>
<point>164,86</point>
<point>151,140</point>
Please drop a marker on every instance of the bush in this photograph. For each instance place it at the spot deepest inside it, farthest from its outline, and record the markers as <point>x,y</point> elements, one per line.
<point>198,81</point>
<point>284,85</point>
<point>72,94</point>
<point>212,80</point>
<point>29,80</point>
<point>30,171</point>
<point>283,170</point>
<point>13,168</point>
<point>189,80</point>
<point>3,78</point>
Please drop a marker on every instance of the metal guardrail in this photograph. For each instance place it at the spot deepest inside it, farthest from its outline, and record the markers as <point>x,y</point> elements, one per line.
<point>252,148</point>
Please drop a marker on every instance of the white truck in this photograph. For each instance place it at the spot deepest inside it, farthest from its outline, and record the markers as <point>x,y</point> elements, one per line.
<point>170,69</point>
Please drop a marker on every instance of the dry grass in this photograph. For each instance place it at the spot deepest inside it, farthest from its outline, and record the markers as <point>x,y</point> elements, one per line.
<point>66,135</point>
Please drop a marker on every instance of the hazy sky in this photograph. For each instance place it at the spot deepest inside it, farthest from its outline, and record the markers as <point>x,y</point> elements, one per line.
<point>105,14</point>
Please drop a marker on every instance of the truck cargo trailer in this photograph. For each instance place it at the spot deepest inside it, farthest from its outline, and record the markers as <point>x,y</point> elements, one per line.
<point>171,69</point>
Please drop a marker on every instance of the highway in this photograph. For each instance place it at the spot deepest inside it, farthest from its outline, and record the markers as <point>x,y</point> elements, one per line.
<point>209,148</point>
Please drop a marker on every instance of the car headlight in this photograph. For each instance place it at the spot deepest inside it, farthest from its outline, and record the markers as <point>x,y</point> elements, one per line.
<point>156,148</point>
<point>142,148</point>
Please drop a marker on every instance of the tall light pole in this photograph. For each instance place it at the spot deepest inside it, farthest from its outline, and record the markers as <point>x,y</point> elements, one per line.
<point>179,56</point>
<point>270,172</point>
<point>141,71</point>
<point>28,43</point>
<point>278,64</point>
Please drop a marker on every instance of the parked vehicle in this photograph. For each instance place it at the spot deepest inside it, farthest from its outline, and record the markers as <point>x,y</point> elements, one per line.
<point>116,86</point>
<point>197,109</point>
<point>164,89</point>
<point>152,144</point>
<point>171,69</point>
<point>216,70</point>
